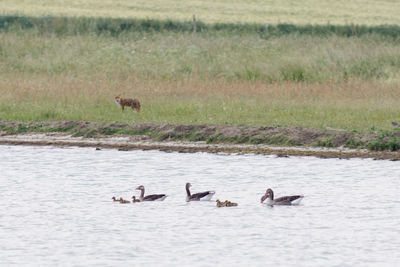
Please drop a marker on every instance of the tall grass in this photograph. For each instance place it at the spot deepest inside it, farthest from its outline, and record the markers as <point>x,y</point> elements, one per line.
<point>354,105</point>
<point>177,56</point>
<point>303,80</point>
<point>116,26</point>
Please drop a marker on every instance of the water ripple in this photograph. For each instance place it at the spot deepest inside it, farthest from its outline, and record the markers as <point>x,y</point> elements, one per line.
<point>57,210</point>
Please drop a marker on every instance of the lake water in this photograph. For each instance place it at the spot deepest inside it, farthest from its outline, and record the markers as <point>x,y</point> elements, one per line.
<point>56,210</point>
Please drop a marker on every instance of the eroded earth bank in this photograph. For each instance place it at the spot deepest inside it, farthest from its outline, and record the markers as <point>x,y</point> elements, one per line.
<point>280,141</point>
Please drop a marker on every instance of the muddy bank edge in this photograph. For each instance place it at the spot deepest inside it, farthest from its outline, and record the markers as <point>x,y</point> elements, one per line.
<point>280,141</point>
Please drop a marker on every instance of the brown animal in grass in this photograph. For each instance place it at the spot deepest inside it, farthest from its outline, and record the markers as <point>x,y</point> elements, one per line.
<point>133,103</point>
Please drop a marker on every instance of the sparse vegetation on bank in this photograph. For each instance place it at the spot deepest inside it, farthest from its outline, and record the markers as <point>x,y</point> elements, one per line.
<point>375,140</point>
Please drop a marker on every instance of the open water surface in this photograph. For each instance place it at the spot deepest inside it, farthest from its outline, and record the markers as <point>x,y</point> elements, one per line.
<point>56,210</point>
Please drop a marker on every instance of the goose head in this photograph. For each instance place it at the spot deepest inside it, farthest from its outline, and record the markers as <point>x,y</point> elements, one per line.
<point>140,187</point>
<point>268,194</point>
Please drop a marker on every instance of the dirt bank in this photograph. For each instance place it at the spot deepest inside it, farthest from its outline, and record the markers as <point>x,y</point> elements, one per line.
<point>125,143</point>
<point>281,141</point>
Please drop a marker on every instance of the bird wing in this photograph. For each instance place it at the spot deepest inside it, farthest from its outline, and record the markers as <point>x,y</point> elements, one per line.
<point>153,197</point>
<point>200,195</point>
<point>287,198</point>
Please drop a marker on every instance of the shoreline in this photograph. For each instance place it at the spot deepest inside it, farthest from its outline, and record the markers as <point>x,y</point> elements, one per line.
<point>126,142</point>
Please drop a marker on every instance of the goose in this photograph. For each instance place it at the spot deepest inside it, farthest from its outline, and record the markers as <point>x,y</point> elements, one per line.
<point>287,200</point>
<point>159,197</point>
<point>198,196</point>
<point>135,200</point>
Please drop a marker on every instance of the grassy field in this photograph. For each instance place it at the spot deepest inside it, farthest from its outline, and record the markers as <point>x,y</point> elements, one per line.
<point>177,56</point>
<point>53,71</point>
<point>352,105</point>
<point>255,11</point>
<point>349,83</point>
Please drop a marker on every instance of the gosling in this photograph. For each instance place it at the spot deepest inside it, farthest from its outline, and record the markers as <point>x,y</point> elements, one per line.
<point>123,201</point>
<point>226,203</point>
<point>135,200</point>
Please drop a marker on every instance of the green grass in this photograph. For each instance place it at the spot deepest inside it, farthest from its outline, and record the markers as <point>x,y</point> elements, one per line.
<point>232,11</point>
<point>320,64</point>
<point>240,79</point>
<point>177,56</point>
<point>117,26</point>
<point>70,68</point>
<point>205,108</point>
